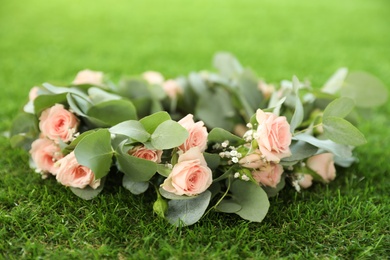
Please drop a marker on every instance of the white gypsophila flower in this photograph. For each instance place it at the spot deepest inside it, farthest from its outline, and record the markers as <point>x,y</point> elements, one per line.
<point>225,144</point>
<point>236,175</point>
<point>233,153</point>
<point>235,160</point>
<point>245,178</point>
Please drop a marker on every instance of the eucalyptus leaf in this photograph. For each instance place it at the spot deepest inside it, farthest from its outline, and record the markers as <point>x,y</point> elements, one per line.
<point>88,193</point>
<point>297,117</point>
<point>248,88</point>
<point>163,170</point>
<point>61,90</point>
<point>212,160</point>
<point>336,81</point>
<point>300,150</point>
<point>131,128</point>
<point>228,206</point>
<point>151,122</point>
<point>168,134</point>
<point>252,198</point>
<point>341,131</point>
<point>337,149</point>
<point>114,111</point>
<point>339,107</point>
<point>215,109</point>
<point>79,105</point>
<point>227,65</point>
<point>135,188</point>
<point>197,84</point>
<point>136,169</point>
<point>98,95</point>
<point>43,102</point>
<point>94,151</point>
<point>219,135</point>
<point>365,89</point>
<point>188,212</point>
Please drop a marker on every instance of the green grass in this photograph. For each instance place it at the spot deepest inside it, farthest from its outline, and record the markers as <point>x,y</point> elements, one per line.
<point>52,40</point>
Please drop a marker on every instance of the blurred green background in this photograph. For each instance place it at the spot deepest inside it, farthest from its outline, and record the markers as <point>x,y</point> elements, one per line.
<point>50,41</point>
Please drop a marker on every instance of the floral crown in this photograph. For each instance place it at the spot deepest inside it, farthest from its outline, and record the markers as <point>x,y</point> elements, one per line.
<point>225,141</point>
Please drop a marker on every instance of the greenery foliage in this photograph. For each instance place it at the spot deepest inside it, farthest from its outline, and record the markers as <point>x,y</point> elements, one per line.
<point>342,220</point>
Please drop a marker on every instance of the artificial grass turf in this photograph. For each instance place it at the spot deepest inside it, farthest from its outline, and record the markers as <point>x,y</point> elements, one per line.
<point>50,41</point>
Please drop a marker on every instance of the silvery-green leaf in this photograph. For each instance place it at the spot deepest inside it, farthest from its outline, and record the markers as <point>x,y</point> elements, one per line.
<point>341,131</point>
<point>297,117</point>
<point>134,187</point>
<point>98,95</point>
<point>335,82</point>
<point>227,65</point>
<point>365,89</point>
<point>168,134</point>
<point>88,193</point>
<point>252,198</point>
<point>131,128</point>
<point>341,150</point>
<point>188,212</point>
<point>228,206</point>
<point>339,107</point>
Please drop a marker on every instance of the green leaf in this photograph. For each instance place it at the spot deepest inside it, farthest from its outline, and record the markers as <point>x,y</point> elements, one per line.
<point>341,131</point>
<point>197,83</point>
<point>79,105</point>
<point>297,117</point>
<point>248,88</point>
<point>215,109</point>
<point>335,82</point>
<point>365,89</point>
<point>151,122</point>
<point>62,90</point>
<point>227,64</point>
<point>212,160</point>
<point>341,150</point>
<point>70,147</point>
<point>43,102</point>
<point>219,135</point>
<point>228,206</point>
<point>300,150</point>
<point>160,206</point>
<point>94,151</point>
<point>168,134</point>
<point>113,112</point>
<point>339,107</point>
<point>135,188</point>
<point>131,128</point>
<point>88,193</point>
<point>136,169</point>
<point>252,198</point>
<point>98,95</point>
<point>163,170</point>
<point>188,212</point>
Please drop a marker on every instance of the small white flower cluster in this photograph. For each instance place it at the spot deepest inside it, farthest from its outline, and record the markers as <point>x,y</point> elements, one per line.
<point>233,154</point>
<point>243,177</point>
<point>250,134</point>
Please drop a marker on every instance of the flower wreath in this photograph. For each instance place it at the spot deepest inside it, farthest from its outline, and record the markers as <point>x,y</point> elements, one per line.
<point>225,141</point>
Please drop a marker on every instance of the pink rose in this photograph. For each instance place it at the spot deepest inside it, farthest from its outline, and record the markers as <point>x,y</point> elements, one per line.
<point>153,77</point>
<point>273,136</point>
<point>190,176</point>
<point>141,151</point>
<point>197,134</point>
<point>305,180</point>
<point>71,173</point>
<point>323,165</point>
<point>45,153</point>
<point>269,174</point>
<point>252,160</point>
<point>58,123</point>
<point>88,77</point>
<point>171,88</point>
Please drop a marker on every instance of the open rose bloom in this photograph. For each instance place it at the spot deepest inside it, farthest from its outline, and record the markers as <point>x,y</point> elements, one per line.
<point>273,136</point>
<point>197,134</point>
<point>89,77</point>
<point>190,176</point>
<point>45,153</point>
<point>57,123</point>
<point>142,152</point>
<point>71,173</point>
<point>323,165</point>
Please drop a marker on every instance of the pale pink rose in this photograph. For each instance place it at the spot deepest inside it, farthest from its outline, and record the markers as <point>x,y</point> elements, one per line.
<point>269,174</point>
<point>71,173</point>
<point>58,123</point>
<point>190,176</point>
<point>33,93</point>
<point>253,160</point>
<point>153,77</point>
<point>266,89</point>
<point>172,88</point>
<point>305,180</point>
<point>141,151</point>
<point>197,134</point>
<point>88,77</point>
<point>323,165</point>
<point>273,136</point>
<point>45,153</point>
